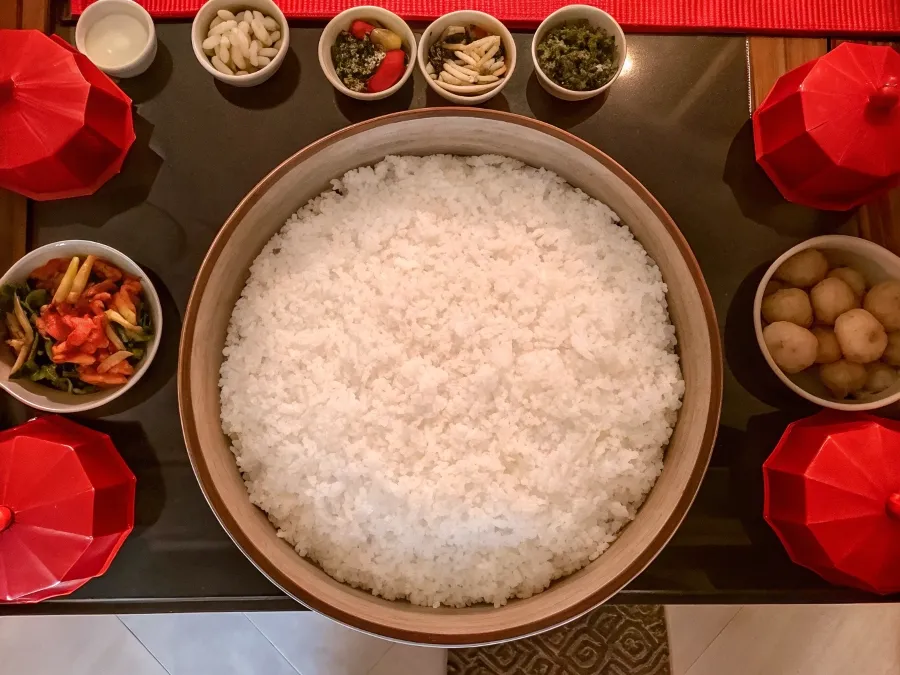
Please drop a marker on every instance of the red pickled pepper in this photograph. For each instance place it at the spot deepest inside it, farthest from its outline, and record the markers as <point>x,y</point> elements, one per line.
<point>359,29</point>
<point>388,72</point>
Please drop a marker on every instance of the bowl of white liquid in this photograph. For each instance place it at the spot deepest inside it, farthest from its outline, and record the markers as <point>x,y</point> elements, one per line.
<point>117,36</point>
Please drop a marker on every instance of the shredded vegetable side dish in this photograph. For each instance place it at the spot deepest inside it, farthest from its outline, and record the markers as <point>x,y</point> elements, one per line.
<point>76,324</point>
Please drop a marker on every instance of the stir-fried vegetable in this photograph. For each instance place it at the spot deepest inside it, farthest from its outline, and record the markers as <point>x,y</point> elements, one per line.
<point>76,326</point>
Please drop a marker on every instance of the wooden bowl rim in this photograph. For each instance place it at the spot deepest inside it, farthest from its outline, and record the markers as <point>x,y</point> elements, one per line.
<point>242,541</point>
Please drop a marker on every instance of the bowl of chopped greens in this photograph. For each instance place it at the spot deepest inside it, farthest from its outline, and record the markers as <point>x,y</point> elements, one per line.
<point>578,52</point>
<point>79,326</point>
<point>367,53</point>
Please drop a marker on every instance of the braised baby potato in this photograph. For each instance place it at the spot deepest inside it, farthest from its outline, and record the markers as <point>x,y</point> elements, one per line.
<point>861,337</point>
<point>883,302</point>
<point>843,377</point>
<point>851,277</point>
<point>803,270</point>
<point>788,304</point>
<point>832,297</point>
<point>792,348</point>
<point>879,376</point>
<point>773,286</point>
<point>891,354</point>
<point>829,350</point>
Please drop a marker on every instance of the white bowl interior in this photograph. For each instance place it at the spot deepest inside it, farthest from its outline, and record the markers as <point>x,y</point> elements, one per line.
<point>45,398</point>
<point>200,28</point>
<point>103,8</point>
<point>463,18</point>
<point>342,22</point>
<point>876,264</point>
<point>597,18</point>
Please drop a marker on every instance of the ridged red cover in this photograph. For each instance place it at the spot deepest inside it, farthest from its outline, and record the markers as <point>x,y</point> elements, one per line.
<point>756,16</point>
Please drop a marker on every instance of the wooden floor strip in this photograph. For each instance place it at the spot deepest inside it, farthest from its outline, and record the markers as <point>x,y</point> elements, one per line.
<point>14,207</point>
<point>772,57</point>
<point>879,221</point>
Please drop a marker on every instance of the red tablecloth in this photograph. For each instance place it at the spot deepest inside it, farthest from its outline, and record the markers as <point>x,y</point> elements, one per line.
<point>752,16</point>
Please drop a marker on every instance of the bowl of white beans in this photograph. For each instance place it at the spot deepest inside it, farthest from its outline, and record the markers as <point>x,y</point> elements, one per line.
<point>241,43</point>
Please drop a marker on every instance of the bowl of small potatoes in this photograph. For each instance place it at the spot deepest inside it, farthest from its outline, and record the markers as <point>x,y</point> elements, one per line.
<point>827,319</point>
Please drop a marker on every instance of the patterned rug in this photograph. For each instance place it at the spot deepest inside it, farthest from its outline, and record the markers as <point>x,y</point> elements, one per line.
<point>611,640</point>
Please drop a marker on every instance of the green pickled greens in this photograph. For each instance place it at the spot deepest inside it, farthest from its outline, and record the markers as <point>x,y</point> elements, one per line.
<point>355,61</point>
<point>578,56</point>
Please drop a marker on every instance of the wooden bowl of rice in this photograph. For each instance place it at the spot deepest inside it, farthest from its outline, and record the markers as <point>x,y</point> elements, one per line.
<point>307,174</point>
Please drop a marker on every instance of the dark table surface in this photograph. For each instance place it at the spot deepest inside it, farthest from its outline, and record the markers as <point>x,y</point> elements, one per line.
<point>677,119</point>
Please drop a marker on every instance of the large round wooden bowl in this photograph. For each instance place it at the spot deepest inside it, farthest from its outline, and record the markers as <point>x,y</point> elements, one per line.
<point>465,132</point>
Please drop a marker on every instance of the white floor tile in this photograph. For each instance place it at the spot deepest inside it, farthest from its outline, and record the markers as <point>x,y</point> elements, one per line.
<point>316,645</point>
<point>692,628</point>
<point>208,644</point>
<point>806,640</point>
<point>406,660</point>
<point>71,645</point>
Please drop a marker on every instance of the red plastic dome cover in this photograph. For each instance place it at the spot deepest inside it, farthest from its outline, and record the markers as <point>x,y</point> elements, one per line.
<point>65,128</point>
<point>832,495</point>
<point>66,507</point>
<point>828,134</point>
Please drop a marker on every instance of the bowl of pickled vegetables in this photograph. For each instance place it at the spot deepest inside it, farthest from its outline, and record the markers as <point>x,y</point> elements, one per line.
<point>367,53</point>
<point>79,323</point>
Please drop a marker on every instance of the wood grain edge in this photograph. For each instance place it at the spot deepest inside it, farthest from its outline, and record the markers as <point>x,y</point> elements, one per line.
<point>35,14</point>
<point>771,57</point>
<point>14,228</point>
<point>879,220</point>
<point>14,207</point>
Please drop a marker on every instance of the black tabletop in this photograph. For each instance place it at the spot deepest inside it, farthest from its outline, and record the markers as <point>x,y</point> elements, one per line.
<point>677,119</point>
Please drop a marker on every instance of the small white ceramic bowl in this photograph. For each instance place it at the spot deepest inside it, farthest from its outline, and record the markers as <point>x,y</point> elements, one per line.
<point>464,18</point>
<point>597,18</point>
<point>876,264</point>
<point>200,28</point>
<point>46,398</point>
<point>342,22</point>
<point>101,9</point>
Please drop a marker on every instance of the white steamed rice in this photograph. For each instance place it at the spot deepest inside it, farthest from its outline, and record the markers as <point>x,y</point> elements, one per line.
<point>451,379</point>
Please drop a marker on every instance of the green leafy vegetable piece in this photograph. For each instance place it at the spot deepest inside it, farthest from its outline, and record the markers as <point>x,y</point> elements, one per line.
<point>31,364</point>
<point>68,370</point>
<point>131,338</point>
<point>144,318</point>
<point>47,348</point>
<point>7,291</point>
<point>37,299</point>
<point>48,375</point>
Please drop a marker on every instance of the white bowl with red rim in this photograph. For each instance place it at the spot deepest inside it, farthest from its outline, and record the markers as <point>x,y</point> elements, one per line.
<point>42,397</point>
